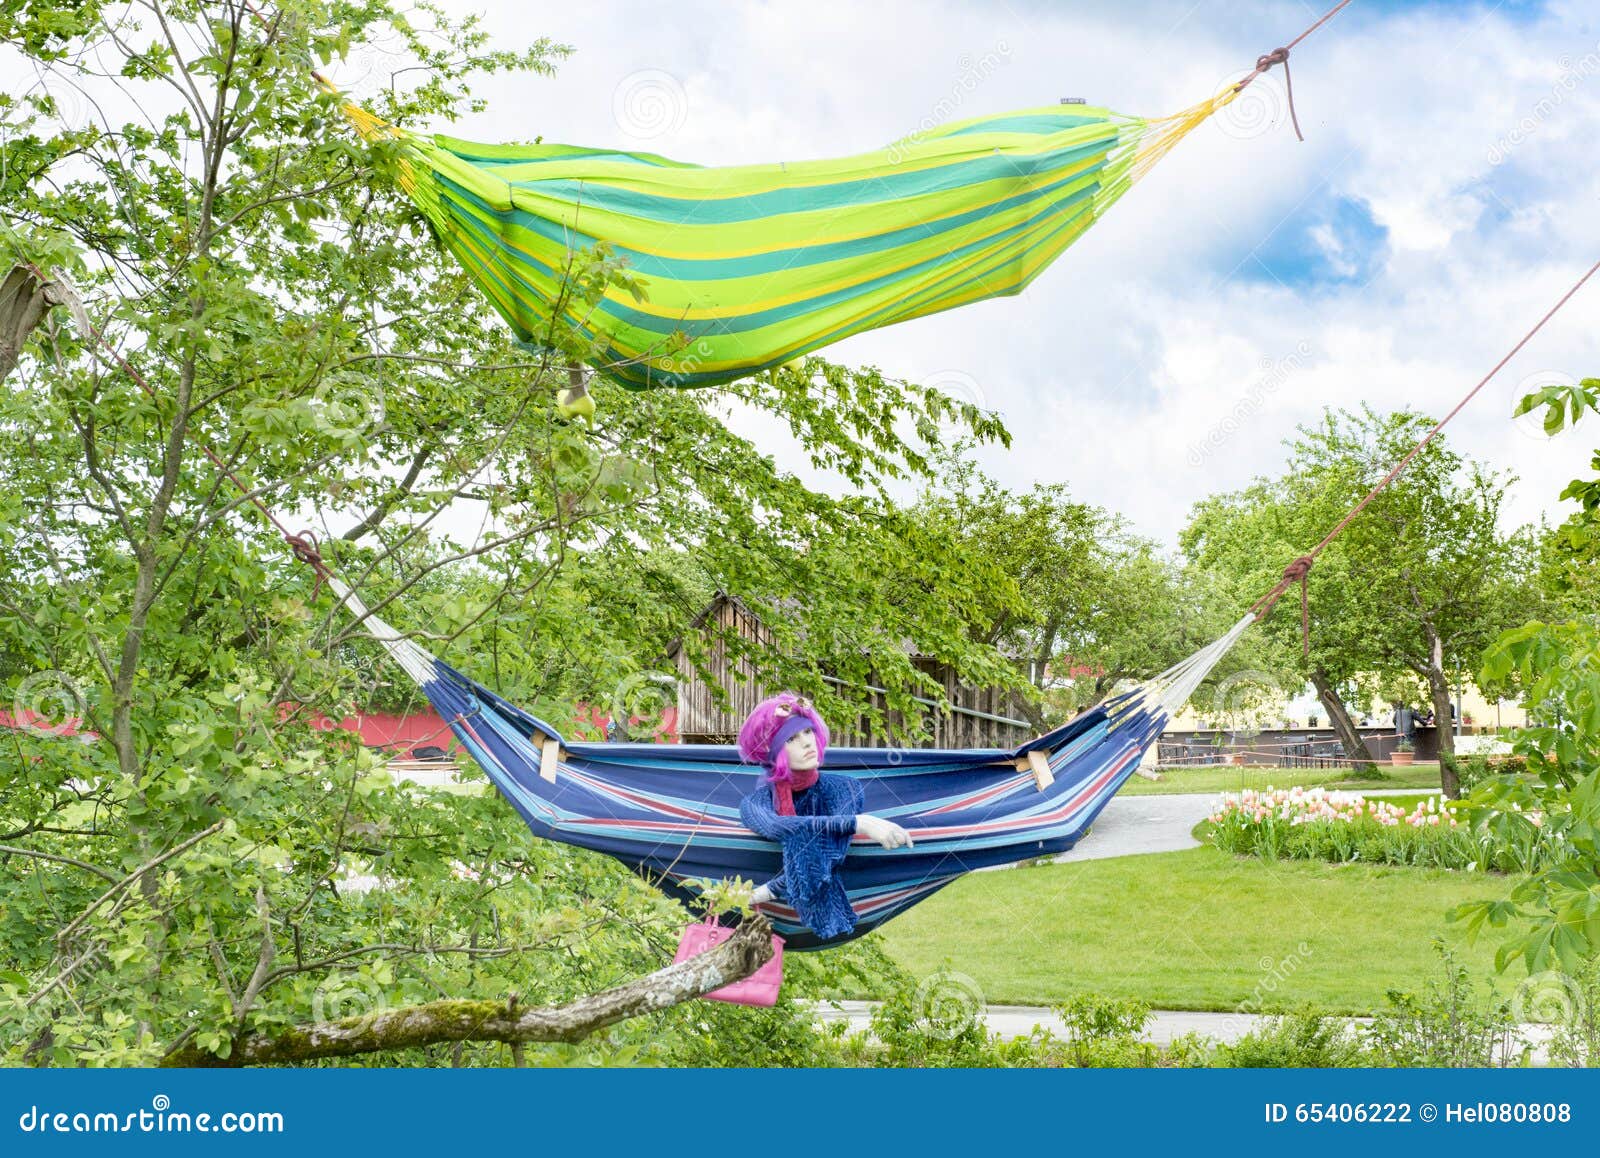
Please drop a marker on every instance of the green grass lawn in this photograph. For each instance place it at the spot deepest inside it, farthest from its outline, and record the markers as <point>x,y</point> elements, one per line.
<point>1196,929</point>
<point>1235,777</point>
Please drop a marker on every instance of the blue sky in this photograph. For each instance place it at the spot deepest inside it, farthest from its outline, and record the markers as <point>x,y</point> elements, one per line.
<point>1444,197</point>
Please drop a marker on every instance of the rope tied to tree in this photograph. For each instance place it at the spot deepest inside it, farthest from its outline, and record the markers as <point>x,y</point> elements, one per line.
<point>1295,572</point>
<point>305,548</point>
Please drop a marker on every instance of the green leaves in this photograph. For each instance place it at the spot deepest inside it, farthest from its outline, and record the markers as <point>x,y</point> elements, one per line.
<point>295,333</point>
<point>1564,404</point>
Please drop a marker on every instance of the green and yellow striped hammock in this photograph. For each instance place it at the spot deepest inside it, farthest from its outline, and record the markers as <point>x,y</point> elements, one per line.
<point>748,267</point>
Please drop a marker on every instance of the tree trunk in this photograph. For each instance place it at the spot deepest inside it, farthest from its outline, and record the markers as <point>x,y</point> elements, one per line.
<point>24,299</point>
<point>1339,717</point>
<point>1439,685</point>
<point>747,950</point>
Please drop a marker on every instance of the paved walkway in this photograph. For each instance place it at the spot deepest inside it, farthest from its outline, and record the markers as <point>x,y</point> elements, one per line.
<point>1165,1025</point>
<point>1011,1021</point>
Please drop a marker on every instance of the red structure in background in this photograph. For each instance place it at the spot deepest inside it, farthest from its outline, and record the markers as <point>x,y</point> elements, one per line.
<point>403,735</point>
<point>35,722</point>
<point>398,735</point>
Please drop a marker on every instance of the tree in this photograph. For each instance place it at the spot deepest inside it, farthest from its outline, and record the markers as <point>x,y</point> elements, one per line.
<point>1555,665</point>
<point>1417,583</point>
<point>267,312</point>
<point>1242,541</point>
<point>1094,603</point>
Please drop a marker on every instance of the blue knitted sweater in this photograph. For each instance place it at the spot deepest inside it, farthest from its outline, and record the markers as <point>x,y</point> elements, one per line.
<point>815,840</point>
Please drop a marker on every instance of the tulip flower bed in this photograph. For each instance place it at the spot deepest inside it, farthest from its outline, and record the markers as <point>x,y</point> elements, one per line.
<point>1315,824</point>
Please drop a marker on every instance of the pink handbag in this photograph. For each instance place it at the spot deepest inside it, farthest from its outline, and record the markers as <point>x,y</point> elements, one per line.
<point>760,988</point>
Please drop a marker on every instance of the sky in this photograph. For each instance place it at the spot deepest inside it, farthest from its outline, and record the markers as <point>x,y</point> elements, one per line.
<point>1443,199</point>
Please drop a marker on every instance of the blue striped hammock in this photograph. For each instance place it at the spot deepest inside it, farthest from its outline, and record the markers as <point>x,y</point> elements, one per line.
<point>670,812</point>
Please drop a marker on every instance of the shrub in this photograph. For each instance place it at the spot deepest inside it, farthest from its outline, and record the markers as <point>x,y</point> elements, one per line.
<point>1577,1038</point>
<point>1298,1040</point>
<point>1105,1032</point>
<point>1448,1025</point>
<point>1475,769</point>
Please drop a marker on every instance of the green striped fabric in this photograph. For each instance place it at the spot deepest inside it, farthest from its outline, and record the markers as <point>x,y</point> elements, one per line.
<point>747,267</point>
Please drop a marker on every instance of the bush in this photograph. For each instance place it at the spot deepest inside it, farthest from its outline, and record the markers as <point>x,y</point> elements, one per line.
<point>1577,1038</point>
<point>1105,1033</point>
<point>934,1023</point>
<point>938,1023</point>
<point>1448,1025</point>
<point>1294,1040</point>
<point>1474,770</point>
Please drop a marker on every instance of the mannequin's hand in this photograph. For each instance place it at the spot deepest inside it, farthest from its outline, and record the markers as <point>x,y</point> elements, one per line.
<point>761,895</point>
<point>885,832</point>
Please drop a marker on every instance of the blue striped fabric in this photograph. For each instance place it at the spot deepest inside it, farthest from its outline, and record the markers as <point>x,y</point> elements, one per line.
<point>671,811</point>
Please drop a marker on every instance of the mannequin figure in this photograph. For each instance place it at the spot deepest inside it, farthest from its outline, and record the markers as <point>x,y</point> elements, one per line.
<point>812,814</point>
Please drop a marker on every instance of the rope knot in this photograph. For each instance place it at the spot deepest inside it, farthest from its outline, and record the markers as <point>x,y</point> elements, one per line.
<point>1276,56</point>
<point>304,546</point>
<point>1265,62</point>
<point>1297,571</point>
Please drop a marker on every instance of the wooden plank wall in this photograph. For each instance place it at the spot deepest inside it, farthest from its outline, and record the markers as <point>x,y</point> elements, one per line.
<point>700,721</point>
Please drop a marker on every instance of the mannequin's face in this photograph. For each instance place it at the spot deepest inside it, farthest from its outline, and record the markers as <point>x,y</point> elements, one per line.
<point>801,748</point>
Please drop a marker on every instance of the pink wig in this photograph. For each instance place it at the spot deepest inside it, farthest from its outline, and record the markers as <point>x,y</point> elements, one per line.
<point>761,726</point>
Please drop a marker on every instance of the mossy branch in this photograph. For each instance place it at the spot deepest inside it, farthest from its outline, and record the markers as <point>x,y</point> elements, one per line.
<point>456,1020</point>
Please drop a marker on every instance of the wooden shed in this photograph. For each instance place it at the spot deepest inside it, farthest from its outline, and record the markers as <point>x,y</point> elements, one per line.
<point>980,717</point>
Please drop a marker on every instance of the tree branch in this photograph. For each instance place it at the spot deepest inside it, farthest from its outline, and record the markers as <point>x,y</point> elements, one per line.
<point>9,849</point>
<point>747,950</point>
